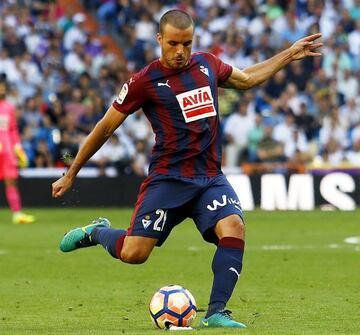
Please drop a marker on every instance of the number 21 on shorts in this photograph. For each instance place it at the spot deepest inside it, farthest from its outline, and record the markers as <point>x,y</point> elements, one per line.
<point>160,221</point>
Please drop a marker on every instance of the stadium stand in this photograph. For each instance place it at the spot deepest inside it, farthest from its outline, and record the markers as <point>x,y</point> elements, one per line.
<point>66,60</point>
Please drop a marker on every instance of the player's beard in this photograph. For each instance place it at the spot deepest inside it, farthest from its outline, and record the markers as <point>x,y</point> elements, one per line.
<point>2,96</point>
<point>178,63</point>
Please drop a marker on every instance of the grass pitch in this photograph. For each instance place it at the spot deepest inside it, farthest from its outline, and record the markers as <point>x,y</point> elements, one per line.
<point>299,276</point>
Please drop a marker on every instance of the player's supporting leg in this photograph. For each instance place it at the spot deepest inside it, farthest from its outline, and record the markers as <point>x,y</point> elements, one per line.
<point>226,266</point>
<point>13,197</point>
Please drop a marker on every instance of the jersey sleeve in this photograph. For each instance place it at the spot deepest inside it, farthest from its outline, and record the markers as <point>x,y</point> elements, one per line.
<point>131,96</point>
<point>223,70</point>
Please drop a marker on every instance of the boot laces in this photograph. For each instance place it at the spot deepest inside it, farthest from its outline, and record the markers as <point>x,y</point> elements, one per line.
<point>226,313</point>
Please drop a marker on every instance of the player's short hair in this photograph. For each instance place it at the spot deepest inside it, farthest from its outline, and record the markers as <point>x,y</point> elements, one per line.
<point>177,18</point>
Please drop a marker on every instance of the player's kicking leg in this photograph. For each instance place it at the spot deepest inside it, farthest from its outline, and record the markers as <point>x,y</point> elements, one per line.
<point>81,237</point>
<point>129,249</point>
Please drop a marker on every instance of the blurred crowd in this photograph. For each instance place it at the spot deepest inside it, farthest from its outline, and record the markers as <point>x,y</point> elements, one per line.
<point>62,78</point>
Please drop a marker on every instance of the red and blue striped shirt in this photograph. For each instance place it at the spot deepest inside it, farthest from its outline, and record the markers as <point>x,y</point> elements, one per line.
<point>182,108</point>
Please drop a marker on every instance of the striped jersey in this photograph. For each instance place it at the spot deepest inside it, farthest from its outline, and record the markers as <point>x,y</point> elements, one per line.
<point>182,108</point>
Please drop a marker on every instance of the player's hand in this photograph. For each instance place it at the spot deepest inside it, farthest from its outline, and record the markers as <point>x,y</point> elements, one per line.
<point>306,47</point>
<point>21,156</point>
<point>60,186</point>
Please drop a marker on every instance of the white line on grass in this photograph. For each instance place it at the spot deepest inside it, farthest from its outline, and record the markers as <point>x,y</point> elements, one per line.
<point>352,240</point>
<point>277,247</point>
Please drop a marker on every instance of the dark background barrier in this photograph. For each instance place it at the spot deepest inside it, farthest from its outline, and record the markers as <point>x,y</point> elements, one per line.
<point>86,192</point>
<point>342,191</point>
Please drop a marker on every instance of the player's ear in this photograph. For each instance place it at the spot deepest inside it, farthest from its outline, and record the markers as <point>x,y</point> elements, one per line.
<point>159,38</point>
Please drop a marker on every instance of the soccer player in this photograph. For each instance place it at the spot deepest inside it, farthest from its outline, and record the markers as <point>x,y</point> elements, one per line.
<point>178,94</point>
<point>11,154</point>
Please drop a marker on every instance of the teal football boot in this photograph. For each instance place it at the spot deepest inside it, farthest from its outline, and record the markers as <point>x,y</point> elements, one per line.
<point>220,319</point>
<point>80,237</point>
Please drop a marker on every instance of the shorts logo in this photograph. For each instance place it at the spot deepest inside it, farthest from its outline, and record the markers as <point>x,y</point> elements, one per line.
<point>196,104</point>
<point>146,221</point>
<point>224,201</point>
<point>123,93</point>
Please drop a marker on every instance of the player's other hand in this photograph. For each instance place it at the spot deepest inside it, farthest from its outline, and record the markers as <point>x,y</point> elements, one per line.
<point>21,156</point>
<point>306,47</point>
<point>60,186</point>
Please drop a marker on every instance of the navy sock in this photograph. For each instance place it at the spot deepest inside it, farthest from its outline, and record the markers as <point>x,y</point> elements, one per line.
<point>226,266</point>
<point>111,239</point>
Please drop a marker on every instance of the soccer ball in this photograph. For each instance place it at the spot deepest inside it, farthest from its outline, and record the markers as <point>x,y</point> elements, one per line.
<point>172,305</point>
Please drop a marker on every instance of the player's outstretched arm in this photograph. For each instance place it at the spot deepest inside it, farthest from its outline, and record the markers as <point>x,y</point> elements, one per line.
<point>98,136</point>
<point>258,73</point>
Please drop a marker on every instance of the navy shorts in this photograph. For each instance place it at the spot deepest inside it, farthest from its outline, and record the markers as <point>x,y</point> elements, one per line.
<point>163,202</point>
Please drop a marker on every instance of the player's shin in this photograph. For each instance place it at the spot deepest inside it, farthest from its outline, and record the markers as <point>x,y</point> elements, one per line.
<point>111,239</point>
<point>226,266</point>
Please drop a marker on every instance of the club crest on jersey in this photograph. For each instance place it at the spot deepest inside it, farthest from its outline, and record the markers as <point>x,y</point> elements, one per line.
<point>196,104</point>
<point>146,221</point>
<point>204,70</point>
<point>123,93</point>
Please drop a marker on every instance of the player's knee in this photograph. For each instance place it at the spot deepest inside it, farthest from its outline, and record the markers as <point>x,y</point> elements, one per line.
<point>237,225</point>
<point>134,255</point>
<point>232,225</point>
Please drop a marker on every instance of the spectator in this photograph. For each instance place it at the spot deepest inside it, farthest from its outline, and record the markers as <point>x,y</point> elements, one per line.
<point>254,137</point>
<point>275,86</point>
<point>113,153</point>
<point>331,129</point>
<point>307,122</point>
<point>332,155</point>
<point>75,106</point>
<point>67,149</point>
<point>141,160</point>
<point>353,155</point>
<point>43,156</point>
<point>13,44</point>
<point>283,131</point>
<point>354,40</point>
<point>74,61</point>
<point>138,127</point>
<point>89,118</point>
<point>348,85</point>
<point>75,33</point>
<point>269,149</point>
<point>145,28</point>
<point>293,31</point>
<point>236,131</point>
<point>349,113</point>
<point>296,149</point>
